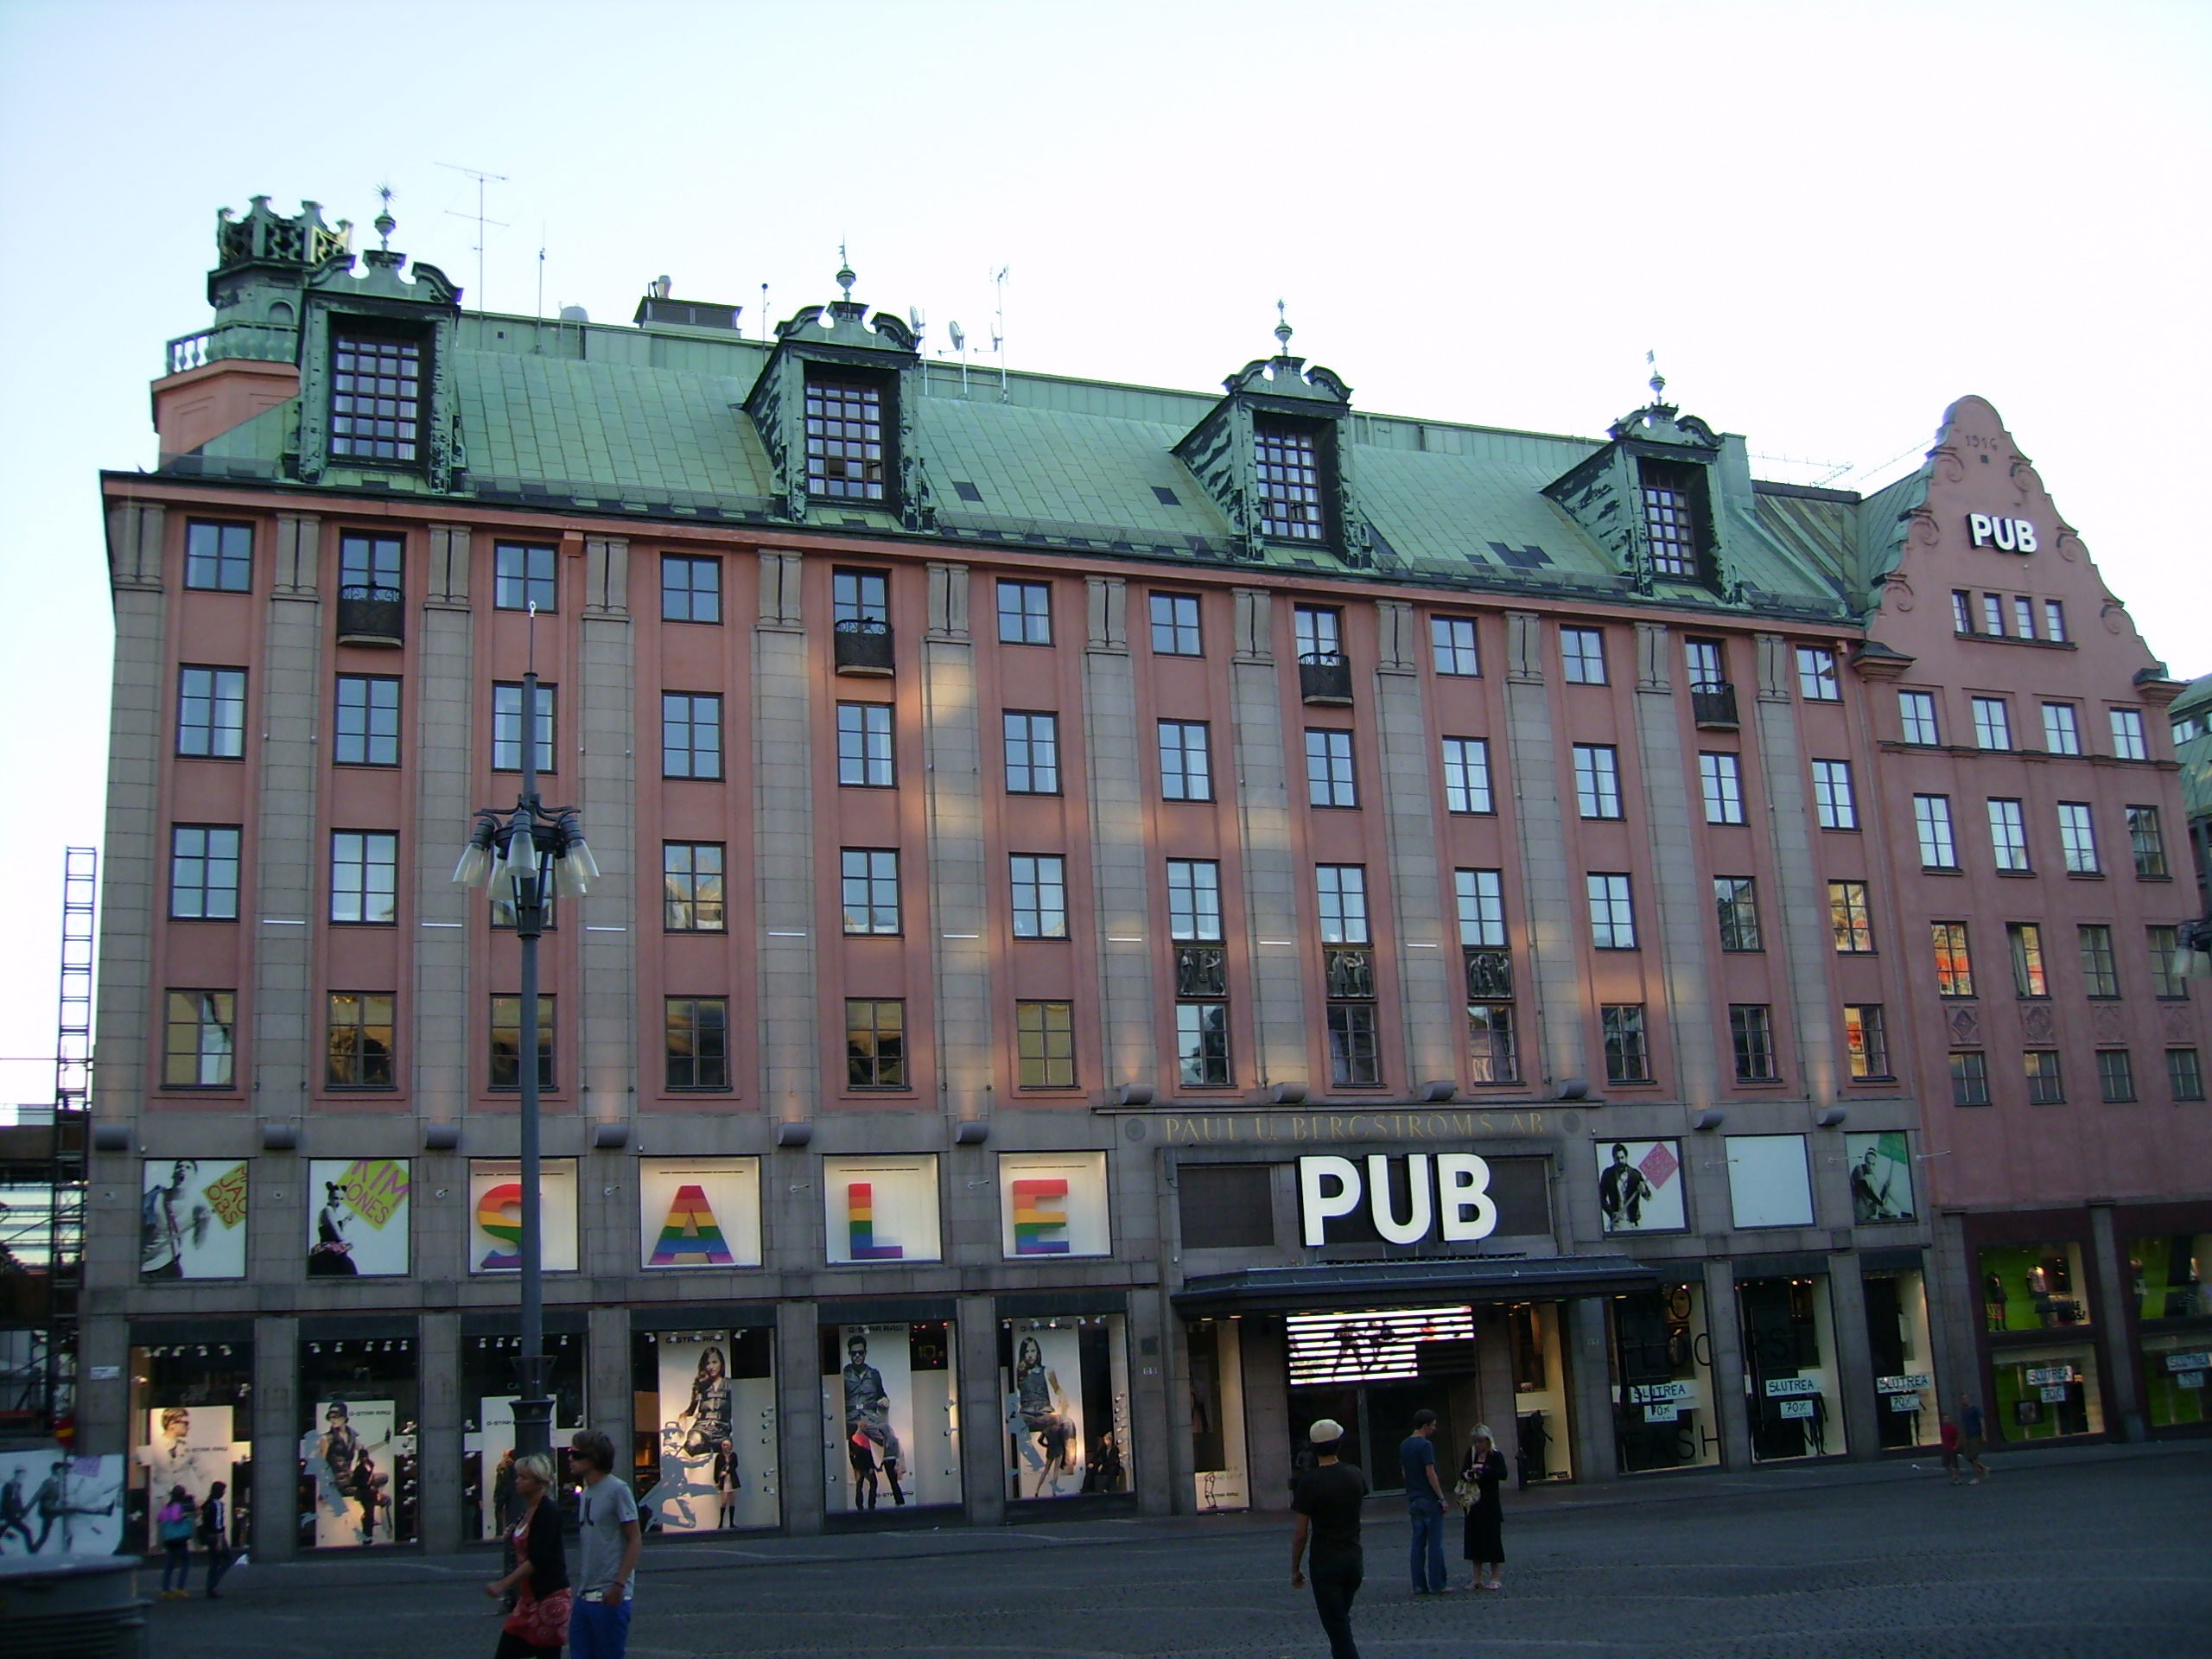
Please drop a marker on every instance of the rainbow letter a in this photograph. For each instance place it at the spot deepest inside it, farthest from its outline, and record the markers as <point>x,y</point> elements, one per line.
<point>690,1236</point>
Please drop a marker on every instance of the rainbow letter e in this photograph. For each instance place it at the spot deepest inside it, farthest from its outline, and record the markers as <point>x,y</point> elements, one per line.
<point>691,1235</point>
<point>1032,1221</point>
<point>860,1219</point>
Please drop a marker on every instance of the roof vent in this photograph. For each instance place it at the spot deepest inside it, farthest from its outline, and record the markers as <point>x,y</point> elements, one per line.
<point>658,308</point>
<point>574,313</point>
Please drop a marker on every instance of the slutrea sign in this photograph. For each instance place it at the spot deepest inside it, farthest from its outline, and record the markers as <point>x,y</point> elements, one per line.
<point>1446,1194</point>
<point>2006,535</point>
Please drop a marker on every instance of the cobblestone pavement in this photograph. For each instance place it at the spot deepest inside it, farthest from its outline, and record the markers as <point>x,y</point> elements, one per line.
<point>2057,1557</point>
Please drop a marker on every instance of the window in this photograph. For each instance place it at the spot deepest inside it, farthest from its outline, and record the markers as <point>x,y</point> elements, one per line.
<point>1597,780</point>
<point>1628,1059</point>
<point>864,755</point>
<point>1722,779</point>
<point>1194,900</point>
<point>1961,611</point>
<point>1917,715</point>
<point>1320,632</point>
<point>1186,760</point>
<point>1025,614</point>
<point>1467,774</point>
<point>2164,982</point>
<point>691,589</point>
<point>844,439</point>
<point>1850,917</point>
<point>507,1042</point>
<point>1992,614</point>
<point>2127,735</point>
<point>1040,896</point>
<point>2023,617</point>
<point>376,396</point>
<point>1612,917</point>
<point>2045,1086</point>
<point>2185,1075</point>
<point>2077,838</point>
<point>698,1042</point>
<point>2115,1076</point>
<point>218,558</point>
<point>1831,795</point>
<point>869,881</point>
<point>1341,890</point>
<point>357,1041</point>
<point>1669,518</point>
<point>1969,1078</point>
<point>367,727</point>
<point>1202,1044</point>
<point>1287,461</point>
<point>1816,676</point>
<point>199,1040</point>
<point>506,727</point>
<point>1866,1039</point>
<point>2099,967</point>
<point>1452,641</point>
<point>1033,755</point>
<point>1992,723</point>
<point>1491,1057</point>
<point>2147,840</point>
<point>1703,660</point>
<point>1953,961</point>
<point>1582,656</point>
<point>1354,1062</point>
<point>369,567</point>
<point>691,735</point>
<point>364,876</point>
<point>1735,899</point>
<point>2062,730</point>
<point>860,596</point>
<point>2053,620</point>
<point>1750,1033</point>
<point>875,1044</point>
<point>204,872</point>
<point>1045,1044</point>
<point>1175,626</point>
<point>1931,822</point>
<point>1329,780</point>
<point>2008,835</point>
<point>210,712</point>
<point>2024,940</point>
<point>1482,907</point>
<point>692,891</point>
<point>522,577</point>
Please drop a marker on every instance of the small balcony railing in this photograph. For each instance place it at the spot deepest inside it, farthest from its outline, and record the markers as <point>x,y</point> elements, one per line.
<point>1349,970</point>
<point>1325,677</point>
<point>1201,971</point>
<point>863,646</point>
<point>371,616</point>
<point>1713,707</point>
<point>1490,975</point>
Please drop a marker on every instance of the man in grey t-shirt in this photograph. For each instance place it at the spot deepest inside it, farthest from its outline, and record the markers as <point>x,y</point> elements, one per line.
<point>607,1515</point>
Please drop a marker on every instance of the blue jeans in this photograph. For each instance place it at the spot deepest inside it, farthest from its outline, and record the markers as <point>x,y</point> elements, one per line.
<point>1428,1545</point>
<point>598,1631</point>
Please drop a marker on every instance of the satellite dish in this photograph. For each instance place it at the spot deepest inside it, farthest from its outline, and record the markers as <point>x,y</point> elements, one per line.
<point>918,317</point>
<point>959,339</point>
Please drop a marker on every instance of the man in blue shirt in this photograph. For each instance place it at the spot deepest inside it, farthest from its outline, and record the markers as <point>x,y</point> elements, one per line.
<point>1970,1433</point>
<point>1425,1504</point>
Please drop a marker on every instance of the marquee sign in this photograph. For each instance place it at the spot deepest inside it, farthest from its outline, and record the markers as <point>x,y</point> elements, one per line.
<point>1447,1195</point>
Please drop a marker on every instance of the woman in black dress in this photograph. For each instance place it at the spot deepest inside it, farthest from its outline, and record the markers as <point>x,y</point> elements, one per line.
<point>1484,1470</point>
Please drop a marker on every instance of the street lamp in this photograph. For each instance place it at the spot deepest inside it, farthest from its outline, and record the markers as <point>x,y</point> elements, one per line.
<point>520,857</point>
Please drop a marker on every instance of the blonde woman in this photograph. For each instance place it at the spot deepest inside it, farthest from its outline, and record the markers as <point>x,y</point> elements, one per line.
<point>538,1627</point>
<point>1483,1471</point>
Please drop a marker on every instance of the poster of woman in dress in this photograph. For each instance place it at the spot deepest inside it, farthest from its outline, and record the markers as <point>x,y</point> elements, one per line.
<point>192,1218</point>
<point>349,1459</point>
<point>52,1504</point>
<point>187,1446</point>
<point>1881,1177</point>
<point>1639,1185</point>
<point>1043,1421</point>
<point>358,1223</point>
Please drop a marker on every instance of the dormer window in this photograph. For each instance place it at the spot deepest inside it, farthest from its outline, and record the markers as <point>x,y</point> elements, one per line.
<point>1673,505</point>
<point>1288,458</point>
<point>844,438</point>
<point>376,396</point>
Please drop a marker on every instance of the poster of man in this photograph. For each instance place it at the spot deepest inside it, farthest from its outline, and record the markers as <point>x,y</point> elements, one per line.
<point>357,1217</point>
<point>349,1459</point>
<point>192,1218</point>
<point>187,1446</point>
<point>1639,1185</point>
<point>52,1505</point>
<point>872,1414</point>
<point>1881,1177</point>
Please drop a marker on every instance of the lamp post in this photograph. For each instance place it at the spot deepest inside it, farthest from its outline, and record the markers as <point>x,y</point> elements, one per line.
<point>523,856</point>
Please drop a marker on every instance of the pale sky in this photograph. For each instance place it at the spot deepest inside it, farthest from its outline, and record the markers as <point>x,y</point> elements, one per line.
<point>1830,220</point>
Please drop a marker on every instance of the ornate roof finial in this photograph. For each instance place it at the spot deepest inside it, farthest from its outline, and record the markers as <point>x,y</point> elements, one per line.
<point>1282,330</point>
<point>845,278</point>
<point>1658,381</point>
<point>386,223</point>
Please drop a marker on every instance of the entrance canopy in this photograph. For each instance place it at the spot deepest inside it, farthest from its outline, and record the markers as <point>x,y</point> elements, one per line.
<point>1408,1284</point>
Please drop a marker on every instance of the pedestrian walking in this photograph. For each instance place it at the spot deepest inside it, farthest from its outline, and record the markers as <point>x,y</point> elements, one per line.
<point>1425,1504</point>
<point>1327,1499</point>
<point>1950,1438</point>
<point>175,1523</point>
<point>1970,1432</point>
<point>538,1627</point>
<point>1481,1477</point>
<point>215,1535</point>
<point>607,1562</point>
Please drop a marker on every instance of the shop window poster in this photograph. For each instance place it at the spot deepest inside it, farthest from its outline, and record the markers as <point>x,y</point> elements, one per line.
<point>717,1435</point>
<point>52,1505</point>
<point>359,1217</point>
<point>348,1459</point>
<point>880,1209</point>
<point>192,1218</point>
<point>1769,1184</point>
<point>699,1212</point>
<point>1044,1413</point>
<point>1881,1177</point>
<point>188,1446</point>
<point>494,1446</point>
<point>1640,1186</point>
<point>1054,1204</point>
<point>495,1221</point>
<point>889,1407</point>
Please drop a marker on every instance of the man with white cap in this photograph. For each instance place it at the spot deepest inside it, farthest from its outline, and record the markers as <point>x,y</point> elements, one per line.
<point>1327,1499</point>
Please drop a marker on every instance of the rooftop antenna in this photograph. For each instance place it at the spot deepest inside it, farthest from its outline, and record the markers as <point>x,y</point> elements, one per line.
<point>764,314</point>
<point>1283,330</point>
<point>1658,381</point>
<point>959,338</point>
<point>998,331</point>
<point>480,177</point>
<point>920,321</point>
<point>541,269</point>
<point>386,223</point>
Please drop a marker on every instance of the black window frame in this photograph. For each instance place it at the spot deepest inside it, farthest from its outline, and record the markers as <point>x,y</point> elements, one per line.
<point>373,713</point>
<point>548,723</point>
<point>1175,782</point>
<point>1736,907</point>
<point>208,1006</point>
<point>398,361</point>
<point>1969,1078</point>
<point>1627,1041</point>
<point>1867,1060</point>
<point>1026,619</point>
<point>1029,769</point>
<point>1850,916</point>
<point>1676,518</point>
<point>1294,472</point>
<point>227,688</point>
<point>372,1065</point>
<point>1205,1050</point>
<point>1174,624</point>
<point>537,583</point>
<point>680,713</point>
<point>231,568</point>
<point>364,891</point>
<point>1751,1041</point>
<point>1331,769</point>
<point>2115,1076</point>
<point>682,601</point>
<point>863,400</point>
<point>878,1065</point>
<point>691,1065</point>
<point>683,908</point>
<point>872,880</point>
<point>1040,883</point>
<point>505,1062</point>
<point>1355,1046</point>
<point>1045,1025</point>
<point>857,740</point>
<point>205,858</point>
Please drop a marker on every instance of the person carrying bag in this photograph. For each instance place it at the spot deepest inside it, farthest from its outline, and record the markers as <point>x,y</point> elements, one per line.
<point>175,1523</point>
<point>538,1626</point>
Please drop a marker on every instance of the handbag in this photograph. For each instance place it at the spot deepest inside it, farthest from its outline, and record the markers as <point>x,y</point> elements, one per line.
<point>541,1621</point>
<point>1467,1493</point>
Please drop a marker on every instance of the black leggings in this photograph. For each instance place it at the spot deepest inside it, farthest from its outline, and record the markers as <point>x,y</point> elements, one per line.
<point>1335,1583</point>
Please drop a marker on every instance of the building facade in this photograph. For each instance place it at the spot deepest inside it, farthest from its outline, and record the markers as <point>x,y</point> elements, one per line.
<point>1132,920</point>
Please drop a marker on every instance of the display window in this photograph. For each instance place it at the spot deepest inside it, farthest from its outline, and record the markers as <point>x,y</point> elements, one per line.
<point>1640,1186</point>
<point>890,1417</point>
<point>488,1392</point>
<point>2033,1288</point>
<point>359,1217</point>
<point>190,1427</point>
<point>880,1209</point>
<point>1788,1331</point>
<point>703,1421</point>
<point>359,1398</point>
<point>192,1218</point>
<point>1897,1343</point>
<point>1542,1450</point>
<point>495,1215</point>
<point>2174,1372</point>
<point>698,1213</point>
<point>1054,1204</point>
<point>2169,1273</point>
<point>2048,1391</point>
<point>1665,1410</point>
<point>1065,1382</point>
<point>1219,1472</point>
<point>1881,1178</point>
<point>1770,1184</point>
